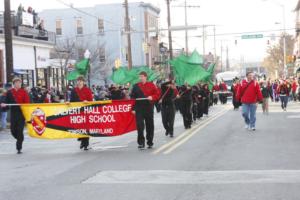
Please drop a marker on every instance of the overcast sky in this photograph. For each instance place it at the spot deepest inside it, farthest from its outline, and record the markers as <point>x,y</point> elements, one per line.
<point>229,16</point>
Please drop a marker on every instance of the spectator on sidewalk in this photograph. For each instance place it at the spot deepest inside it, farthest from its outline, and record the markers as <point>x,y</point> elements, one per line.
<point>3,110</point>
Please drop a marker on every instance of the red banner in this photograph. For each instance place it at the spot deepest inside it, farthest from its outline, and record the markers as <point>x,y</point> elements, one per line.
<point>98,119</point>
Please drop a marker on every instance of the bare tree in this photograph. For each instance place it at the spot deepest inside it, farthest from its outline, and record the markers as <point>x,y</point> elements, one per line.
<point>100,67</point>
<point>275,61</point>
<point>64,51</point>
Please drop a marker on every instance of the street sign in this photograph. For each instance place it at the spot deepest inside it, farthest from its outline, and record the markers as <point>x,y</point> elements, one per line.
<point>252,36</point>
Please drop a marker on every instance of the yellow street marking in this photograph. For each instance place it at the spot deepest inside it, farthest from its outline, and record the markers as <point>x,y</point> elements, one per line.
<point>185,134</point>
<point>172,148</point>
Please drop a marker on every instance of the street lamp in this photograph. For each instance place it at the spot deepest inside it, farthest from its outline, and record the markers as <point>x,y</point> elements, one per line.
<point>284,39</point>
<point>87,55</point>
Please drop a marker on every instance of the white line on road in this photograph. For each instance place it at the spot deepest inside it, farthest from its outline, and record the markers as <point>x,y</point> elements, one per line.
<point>172,148</point>
<point>195,177</point>
<point>185,134</point>
<point>293,117</point>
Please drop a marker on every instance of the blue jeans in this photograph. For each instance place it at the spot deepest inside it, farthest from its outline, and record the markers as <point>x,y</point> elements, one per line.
<point>3,119</point>
<point>249,114</point>
<point>284,101</point>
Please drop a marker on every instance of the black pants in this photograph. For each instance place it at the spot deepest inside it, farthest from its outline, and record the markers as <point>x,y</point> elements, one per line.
<point>84,142</point>
<point>205,106</point>
<point>187,114</point>
<point>17,123</point>
<point>195,111</point>
<point>168,117</point>
<point>200,108</point>
<point>144,116</point>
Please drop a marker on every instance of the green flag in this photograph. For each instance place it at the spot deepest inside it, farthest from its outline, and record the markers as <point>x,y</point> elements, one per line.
<point>82,66</point>
<point>195,58</point>
<point>73,75</point>
<point>189,69</point>
<point>123,75</point>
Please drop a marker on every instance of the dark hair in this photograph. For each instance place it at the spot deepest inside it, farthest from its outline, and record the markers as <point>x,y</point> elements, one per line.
<point>249,72</point>
<point>143,73</point>
<point>80,78</point>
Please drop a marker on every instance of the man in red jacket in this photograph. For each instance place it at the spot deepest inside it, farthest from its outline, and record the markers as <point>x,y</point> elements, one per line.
<point>249,94</point>
<point>144,109</point>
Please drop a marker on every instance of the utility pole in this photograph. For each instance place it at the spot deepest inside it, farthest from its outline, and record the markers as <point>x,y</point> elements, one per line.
<point>186,24</point>
<point>186,31</point>
<point>203,37</point>
<point>127,30</point>
<point>169,30</point>
<point>227,59</point>
<point>215,48</point>
<point>8,41</point>
<point>221,56</point>
<point>284,43</point>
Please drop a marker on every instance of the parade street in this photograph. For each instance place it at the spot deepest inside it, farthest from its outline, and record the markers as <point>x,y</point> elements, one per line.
<point>217,159</point>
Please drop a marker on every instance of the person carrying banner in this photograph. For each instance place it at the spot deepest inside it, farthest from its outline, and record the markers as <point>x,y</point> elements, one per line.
<point>143,109</point>
<point>16,95</point>
<point>81,93</point>
<point>168,94</point>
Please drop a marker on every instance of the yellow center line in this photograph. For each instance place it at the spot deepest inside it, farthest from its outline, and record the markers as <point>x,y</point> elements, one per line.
<point>177,139</point>
<point>173,147</point>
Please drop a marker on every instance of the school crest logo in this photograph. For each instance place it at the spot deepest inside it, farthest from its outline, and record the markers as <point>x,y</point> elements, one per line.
<point>38,121</point>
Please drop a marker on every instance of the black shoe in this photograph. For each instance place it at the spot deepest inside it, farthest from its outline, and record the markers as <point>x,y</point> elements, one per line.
<point>81,146</point>
<point>167,133</point>
<point>85,148</point>
<point>150,146</point>
<point>19,152</point>
<point>142,146</point>
<point>171,135</point>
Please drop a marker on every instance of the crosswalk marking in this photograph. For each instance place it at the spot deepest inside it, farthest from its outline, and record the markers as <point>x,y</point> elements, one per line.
<point>195,177</point>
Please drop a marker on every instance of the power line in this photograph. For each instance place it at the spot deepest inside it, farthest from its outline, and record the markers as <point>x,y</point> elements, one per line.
<point>86,13</point>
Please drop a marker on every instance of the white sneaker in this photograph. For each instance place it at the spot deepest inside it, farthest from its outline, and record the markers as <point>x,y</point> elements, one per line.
<point>247,126</point>
<point>253,128</point>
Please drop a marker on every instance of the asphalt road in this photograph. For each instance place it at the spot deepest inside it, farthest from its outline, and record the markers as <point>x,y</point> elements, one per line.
<point>216,160</point>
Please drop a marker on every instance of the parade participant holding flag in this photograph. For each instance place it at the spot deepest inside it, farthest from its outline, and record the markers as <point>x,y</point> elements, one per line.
<point>148,94</point>
<point>81,93</point>
<point>17,95</point>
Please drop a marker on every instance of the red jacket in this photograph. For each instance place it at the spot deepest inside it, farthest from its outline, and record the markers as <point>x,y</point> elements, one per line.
<point>294,86</point>
<point>20,95</point>
<point>236,88</point>
<point>283,90</point>
<point>84,94</point>
<point>223,87</point>
<point>216,88</point>
<point>250,94</point>
<point>149,89</point>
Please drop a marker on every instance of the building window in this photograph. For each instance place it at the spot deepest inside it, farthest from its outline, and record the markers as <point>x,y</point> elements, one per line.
<point>58,27</point>
<point>80,52</point>
<point>79,26</point>
<point>100,26</point>
<point>102,55</point>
